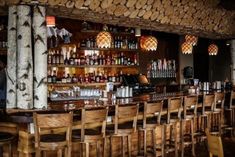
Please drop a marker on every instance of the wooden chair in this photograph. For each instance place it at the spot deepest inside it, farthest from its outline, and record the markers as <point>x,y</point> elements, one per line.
<point>93,128</point>
<point>125,121</point>
<point>230,109</point>
<point>215,146</point>
<point>8,134</point>
<point>204,114</point>
<point>218,113</point>
<point>174,109</point>
<point>189,114</point>
<point>53,132</point>
<point>152,120</point>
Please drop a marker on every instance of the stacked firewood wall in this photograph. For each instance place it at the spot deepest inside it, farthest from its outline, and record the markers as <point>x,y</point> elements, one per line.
<point>202,17</point>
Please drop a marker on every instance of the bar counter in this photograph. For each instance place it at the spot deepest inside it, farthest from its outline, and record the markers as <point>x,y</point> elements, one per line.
<point>25,120</point>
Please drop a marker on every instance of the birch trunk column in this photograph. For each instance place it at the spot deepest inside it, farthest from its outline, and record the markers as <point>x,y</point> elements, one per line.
<point>40,56</point>
<point>232,50</point>
<point>24,58</point>
<point>11,58</point>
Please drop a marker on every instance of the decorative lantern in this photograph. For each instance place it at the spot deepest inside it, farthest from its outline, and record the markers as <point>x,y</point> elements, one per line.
<point>213,49</point>
<point>104,39</point>
<point>50,21</point>
<point>192,39</point>
<point>148,43</point>
<point>187,48</point>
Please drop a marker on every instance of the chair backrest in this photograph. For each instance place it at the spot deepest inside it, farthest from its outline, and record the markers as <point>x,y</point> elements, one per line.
<point>53,123</point>
<point>174,106</point>
<point>215,146</point>
<point>232,100</point>
<point>92,118</point>
<point>126,113</point>
<point>208,102</point>
<point>219,100</point>
<point>190,105</point>
<point>9,127</point>
<point>153,109</point>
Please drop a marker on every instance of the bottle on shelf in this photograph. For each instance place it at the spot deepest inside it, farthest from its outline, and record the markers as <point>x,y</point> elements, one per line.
<point>54,77</point>
<point>68,78</point>
<point>49,77</point>
<point>64,80</point>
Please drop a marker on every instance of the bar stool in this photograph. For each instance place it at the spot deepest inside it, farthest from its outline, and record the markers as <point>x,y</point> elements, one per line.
<point>190,113</point>
<point>231,110</point>
<point>218,113</point>
<point>204,113</point>
<point>174,109</point>
<point>8,134</point>
<point>93,128</point>
<point>151,121</point>
<point>125,121</point>
<point>53,132</point>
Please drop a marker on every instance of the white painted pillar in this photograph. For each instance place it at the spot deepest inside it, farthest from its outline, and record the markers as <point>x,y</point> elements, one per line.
<point>11,58</point>
<point>40,56</point>
<point>24,58</point>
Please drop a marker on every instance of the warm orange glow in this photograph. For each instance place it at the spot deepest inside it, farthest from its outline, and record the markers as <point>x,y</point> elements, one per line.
<point>104,40</point>
<point>213,49</point>
<point>50,21</point>
<point>148,43</point>
<point>192,39</point>
<point>187,48</point>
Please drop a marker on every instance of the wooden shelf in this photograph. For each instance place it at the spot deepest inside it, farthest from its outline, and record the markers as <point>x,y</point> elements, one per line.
<point>79,84</point>
<point>3,51</point>
<point>92,66</point>
<point>109,49</point>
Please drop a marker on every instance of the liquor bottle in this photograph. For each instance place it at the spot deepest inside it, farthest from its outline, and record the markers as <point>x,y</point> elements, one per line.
<point>66,61</point>
<point>61,58</point>
<point>54,77</point>
<point>53,58</point>
<point>74,78</point>
<point>68,79</point>
<point>97,78</point>
<point>122,58</point>
<point>49,77</point>
<point>49,58</point>
<point>135,59</point>
<point>108,60</point>
<point>88,43</point>
<point>64,80</point>
<point>71,59</point>
<point>57,57</point>
<point>83,43</point>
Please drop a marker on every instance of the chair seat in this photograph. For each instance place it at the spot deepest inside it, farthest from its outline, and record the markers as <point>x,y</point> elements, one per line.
<point>6,136</point>
<point>53,138</point>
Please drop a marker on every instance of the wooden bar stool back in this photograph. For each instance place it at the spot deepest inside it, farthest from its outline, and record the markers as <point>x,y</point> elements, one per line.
<point>232,109</point>
<point>8,133</point>
<point>174,110</point>
<point>215,146</point>
<point>125,122</point>
<point>53,132</point>
<point>189,114</point>
<point>207,109</point>
<point>152,120</point>
<point>93,128</point>
<point>218,113</point>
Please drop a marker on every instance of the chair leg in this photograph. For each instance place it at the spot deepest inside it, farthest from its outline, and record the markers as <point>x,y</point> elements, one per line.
<point>163,141</point>
<point>87,149</point>
<point>139,141</point>
<point>182,125</point>
<point>154,142</point>
<point>145,142</point>
<point>104,147</point>
<point>129,145</point>
<point>192,136</point>
<point>59,153</point>
<point>98,152</point>
<point>38,152</point>
<point>68,152</point>
<point>175,137</point>
<point>10,150</point>
<point>110,151</point>
<point>123,149</point>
